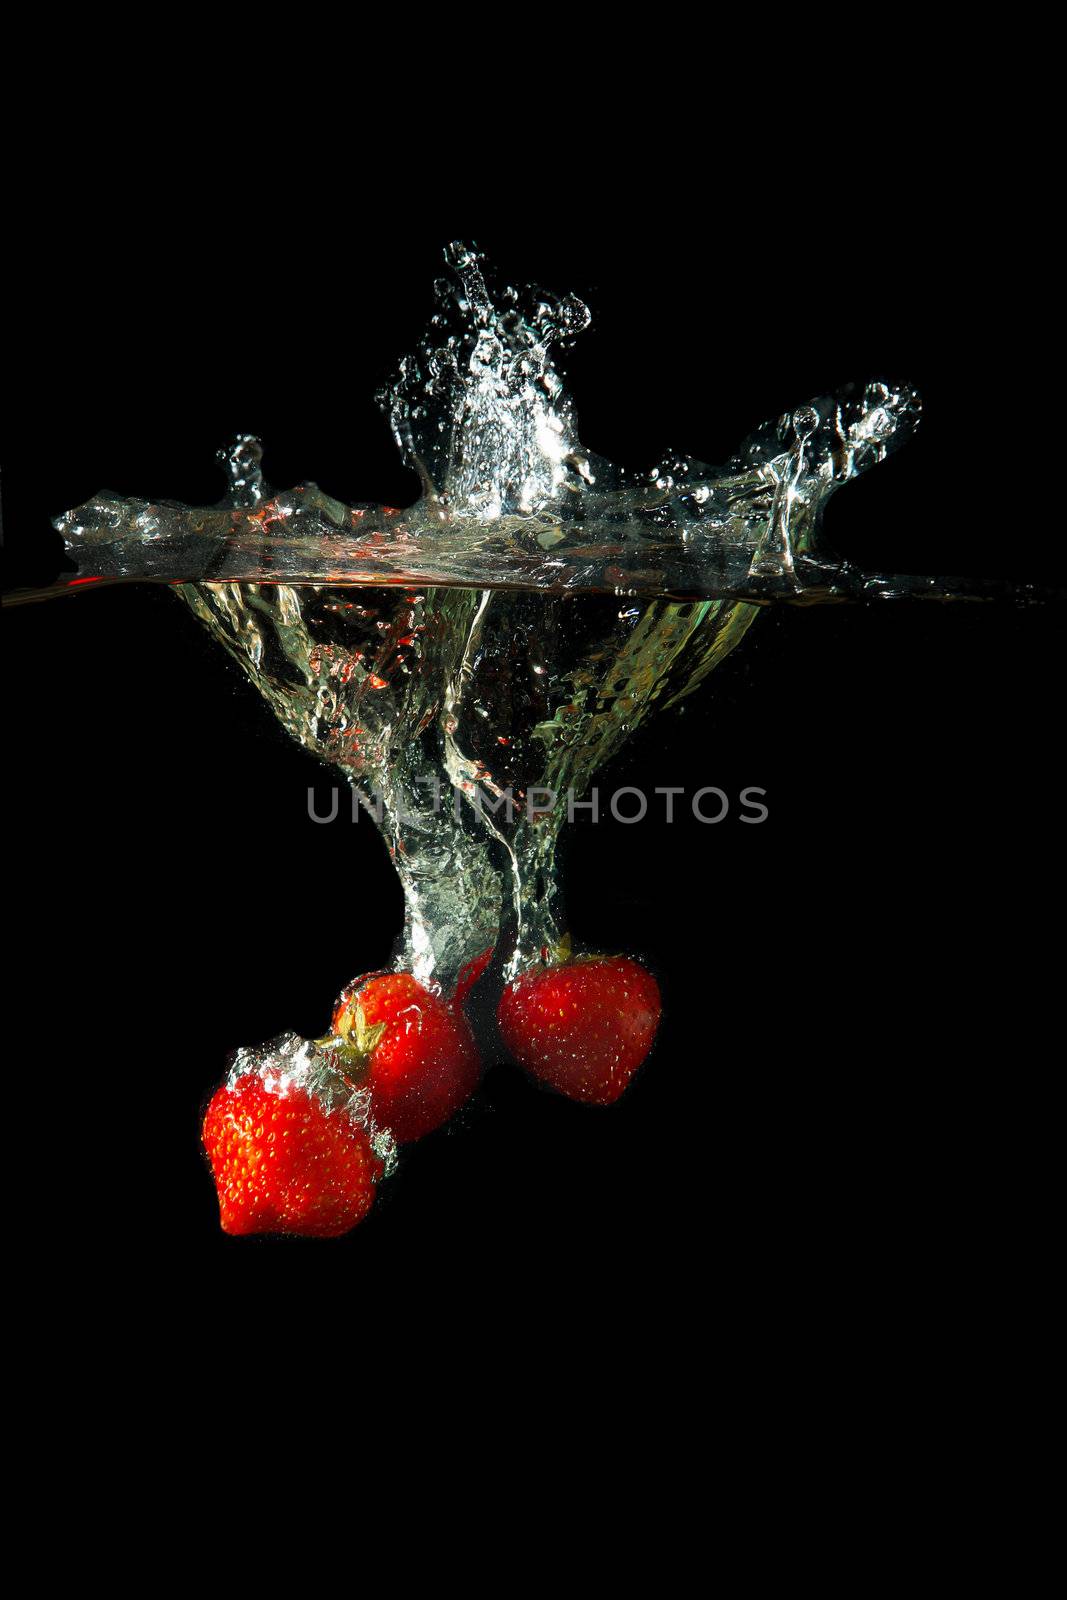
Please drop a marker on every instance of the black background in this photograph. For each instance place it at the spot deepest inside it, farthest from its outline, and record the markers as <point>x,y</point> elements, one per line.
<point>850,989</point>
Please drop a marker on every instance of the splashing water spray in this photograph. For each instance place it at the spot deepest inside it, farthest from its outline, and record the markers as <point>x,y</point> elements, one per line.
<point>468,664</point>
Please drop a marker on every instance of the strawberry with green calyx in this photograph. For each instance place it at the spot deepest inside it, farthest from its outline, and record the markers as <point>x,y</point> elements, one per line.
<point>291,1144</point>
<point>582,1025</point>
<point>411,1049</point>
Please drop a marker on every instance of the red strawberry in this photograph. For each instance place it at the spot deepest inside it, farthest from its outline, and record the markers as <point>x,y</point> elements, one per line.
<point>420,1058</point>
<point>584,1027</point>
<point>287,1157</point>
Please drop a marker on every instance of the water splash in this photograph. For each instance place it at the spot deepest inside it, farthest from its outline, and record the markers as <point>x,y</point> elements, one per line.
<point>510,497</point>
<point>477,639</point>
<point>479,410</point>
